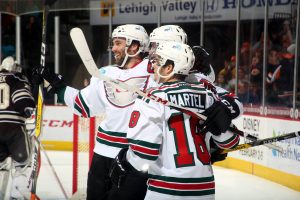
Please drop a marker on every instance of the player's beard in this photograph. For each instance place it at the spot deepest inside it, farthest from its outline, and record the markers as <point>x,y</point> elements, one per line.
<point>119,61</point>
<point>120,56</point>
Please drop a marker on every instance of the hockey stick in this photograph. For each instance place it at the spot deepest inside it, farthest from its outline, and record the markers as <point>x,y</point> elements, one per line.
<point>262,142</point>
<point>40,99</point>
<point>83,50</point>
<point>252,138</point>
<point>36,163</point>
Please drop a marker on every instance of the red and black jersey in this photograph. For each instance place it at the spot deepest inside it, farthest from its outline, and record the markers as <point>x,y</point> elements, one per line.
<point>15,96</point>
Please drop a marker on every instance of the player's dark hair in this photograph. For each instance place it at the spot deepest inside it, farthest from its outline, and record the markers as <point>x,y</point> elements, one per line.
<point>180,77</point>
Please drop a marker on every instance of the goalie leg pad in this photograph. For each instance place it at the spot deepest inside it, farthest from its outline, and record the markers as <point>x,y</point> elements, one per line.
<point>5,167</point>
<point>23,177</point>
<point>21,182</point>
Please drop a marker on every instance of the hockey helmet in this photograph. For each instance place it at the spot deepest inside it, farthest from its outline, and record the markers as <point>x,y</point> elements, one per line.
<point>181,54</point>
<point>168,33</point>
<point>132,32</point>
<point>9,64</point>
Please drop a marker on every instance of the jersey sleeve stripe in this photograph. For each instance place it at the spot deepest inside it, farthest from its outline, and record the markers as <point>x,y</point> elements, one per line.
<point>145,150</point>
<point>81,106</point>
<point>144,143</point>
<point>230,143</point>
<point>116,139</point>
<point>110,138</point>
<point>20,91</point>
<point>17,96</point>
<point>182,186</point>
<point>145,156</point>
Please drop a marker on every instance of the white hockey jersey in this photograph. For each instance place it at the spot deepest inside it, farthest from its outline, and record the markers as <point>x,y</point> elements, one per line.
<point>102,97</point>
<point>169,143</point>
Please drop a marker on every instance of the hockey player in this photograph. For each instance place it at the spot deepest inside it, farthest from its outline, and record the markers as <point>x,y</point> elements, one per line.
<point>16,104</point>
<point>168,143</point>
<point>203,72</point>
<point>129,45</point>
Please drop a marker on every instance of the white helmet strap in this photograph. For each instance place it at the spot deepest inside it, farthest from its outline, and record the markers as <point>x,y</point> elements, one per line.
<point>128,56</point>
<point>162,76</point>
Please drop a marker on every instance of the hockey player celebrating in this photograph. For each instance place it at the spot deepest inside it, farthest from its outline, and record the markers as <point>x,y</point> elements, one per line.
<point>203,72</point>
<point>168,143</point>
<point>129,45</point>
<point>16,104</point>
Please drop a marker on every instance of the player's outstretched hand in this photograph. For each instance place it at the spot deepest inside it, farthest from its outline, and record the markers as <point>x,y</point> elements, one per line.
<point>218,118</point>
<point>36,77</point>
<point>56,81</point>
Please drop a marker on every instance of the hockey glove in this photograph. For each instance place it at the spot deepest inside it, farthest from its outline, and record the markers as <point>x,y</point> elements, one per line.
<point>215,153</point>
<point>121,168</point>
<point>36,77</point>
<point>56,81</point>
<point>218,118</point>
<point>232,105</point>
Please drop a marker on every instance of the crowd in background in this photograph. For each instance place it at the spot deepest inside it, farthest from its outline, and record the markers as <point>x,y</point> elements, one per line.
<point>279,69</point>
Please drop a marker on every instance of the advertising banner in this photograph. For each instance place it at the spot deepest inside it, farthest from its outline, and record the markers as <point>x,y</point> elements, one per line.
<point>262,127</point>
<point>181,11</point>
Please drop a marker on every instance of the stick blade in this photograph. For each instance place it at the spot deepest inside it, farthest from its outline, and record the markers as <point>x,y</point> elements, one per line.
<point>83,50</point>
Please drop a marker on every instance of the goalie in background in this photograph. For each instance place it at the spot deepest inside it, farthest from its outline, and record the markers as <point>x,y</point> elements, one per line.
<point>16,105</point>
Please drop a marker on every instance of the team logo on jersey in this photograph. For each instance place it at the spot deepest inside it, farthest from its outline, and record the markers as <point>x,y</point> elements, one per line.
<point>122,98</point>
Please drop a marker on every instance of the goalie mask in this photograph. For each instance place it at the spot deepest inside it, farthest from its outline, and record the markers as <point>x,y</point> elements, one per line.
<point>10,65</point>
<point>132,32</point>
<point>180,54</point>
<point>202,64</point>
<point>167,33</point>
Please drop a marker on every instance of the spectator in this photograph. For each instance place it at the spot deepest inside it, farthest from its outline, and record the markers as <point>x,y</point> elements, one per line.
<point>254,93</point>
<point>245,55</point>
<point>255,70</point>
<point>242,91</point>
<point>221,81</point>
<point>229,69</point>
<point>273,74</point>
<point>259,45</point>
<point>286,36</point>
<point>242,85</point>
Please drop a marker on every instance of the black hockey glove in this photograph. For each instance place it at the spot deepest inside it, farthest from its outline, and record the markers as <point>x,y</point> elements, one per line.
<point>231,104</point>
<point>215,153</point>
<point>36,77</point>
<point>121,168</point>
<point>216,156</point>
<point>56,81</point>
<point>218,118</point>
